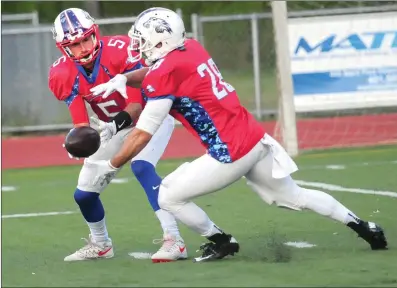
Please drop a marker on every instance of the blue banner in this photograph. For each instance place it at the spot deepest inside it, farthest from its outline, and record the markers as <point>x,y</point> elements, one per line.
<point>348,80</point>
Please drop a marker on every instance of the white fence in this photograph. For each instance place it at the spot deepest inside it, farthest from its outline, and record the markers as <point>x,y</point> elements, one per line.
<point>242,45</point>
<point>12,18</point>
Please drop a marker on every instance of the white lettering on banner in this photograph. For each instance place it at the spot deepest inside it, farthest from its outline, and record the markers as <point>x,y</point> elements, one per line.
<point>343,62</point>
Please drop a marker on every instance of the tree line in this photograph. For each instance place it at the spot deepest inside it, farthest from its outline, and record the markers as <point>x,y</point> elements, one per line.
<point>101,9</point>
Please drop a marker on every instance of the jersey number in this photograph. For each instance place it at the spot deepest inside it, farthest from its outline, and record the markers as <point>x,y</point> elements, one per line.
<point>220,88</point>
<point>155,65</point>
<point>116,43</point>
<point>59,61</point>
<point>104,105</point>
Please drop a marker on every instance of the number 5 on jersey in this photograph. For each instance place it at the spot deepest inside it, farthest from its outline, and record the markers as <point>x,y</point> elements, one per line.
<point>104,105</point>
<point>220,88</point>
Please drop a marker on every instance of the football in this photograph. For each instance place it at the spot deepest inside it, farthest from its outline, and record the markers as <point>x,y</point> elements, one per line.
<point>82,141</point>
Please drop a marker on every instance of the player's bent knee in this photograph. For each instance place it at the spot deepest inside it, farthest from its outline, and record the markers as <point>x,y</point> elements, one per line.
<point>84,197</point>
<point>87,174</point>
<point>140,167</point>
<point>162,200</point>
<point>167,199</point>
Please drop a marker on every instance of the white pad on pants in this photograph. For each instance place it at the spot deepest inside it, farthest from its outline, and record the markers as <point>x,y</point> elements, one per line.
<point>151,153</point>
<point>283,165</point>
<point>206,175</point>
<point>270,178</point>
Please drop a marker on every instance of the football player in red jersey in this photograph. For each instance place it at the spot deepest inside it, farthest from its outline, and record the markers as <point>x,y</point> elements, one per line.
<point>184,81</point>
<point>88,60</point>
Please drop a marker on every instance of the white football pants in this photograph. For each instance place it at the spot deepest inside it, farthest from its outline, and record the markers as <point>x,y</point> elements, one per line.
<point>151,153</point>
<point>267,168</point>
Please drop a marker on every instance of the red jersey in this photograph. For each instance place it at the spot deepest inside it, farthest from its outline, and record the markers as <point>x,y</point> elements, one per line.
<point>70,82</point>
<point>203,102</point>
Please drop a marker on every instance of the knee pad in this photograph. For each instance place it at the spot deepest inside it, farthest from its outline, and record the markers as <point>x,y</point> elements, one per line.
<point>139,167</point>
<point>83,198</point>
<point>87,174</point>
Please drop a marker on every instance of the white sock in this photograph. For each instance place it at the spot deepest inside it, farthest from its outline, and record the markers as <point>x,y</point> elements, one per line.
<point>98,231</point>
<point>324,204</point>
<point>195,218</point>
<point>168,222</point>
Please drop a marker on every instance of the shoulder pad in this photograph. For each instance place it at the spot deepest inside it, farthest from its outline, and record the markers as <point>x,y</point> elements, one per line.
<point>61,78</point>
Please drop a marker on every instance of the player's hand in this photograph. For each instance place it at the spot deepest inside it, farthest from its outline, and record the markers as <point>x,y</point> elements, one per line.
<point>117,83</point>
<point>70,155</point>
<point>105,172</point>
<point>106,130</point>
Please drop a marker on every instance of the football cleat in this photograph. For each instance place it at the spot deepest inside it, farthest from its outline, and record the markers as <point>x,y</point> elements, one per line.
<point>371,233</point>
<point>92,250</point>
<point>173,249</point>
<point>214,251</point>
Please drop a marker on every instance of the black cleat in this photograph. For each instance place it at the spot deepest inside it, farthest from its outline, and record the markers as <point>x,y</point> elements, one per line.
<point>370,232</point>
<point>214,251</point>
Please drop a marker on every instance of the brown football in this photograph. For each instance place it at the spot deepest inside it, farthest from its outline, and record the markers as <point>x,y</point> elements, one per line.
<point>82,141</point>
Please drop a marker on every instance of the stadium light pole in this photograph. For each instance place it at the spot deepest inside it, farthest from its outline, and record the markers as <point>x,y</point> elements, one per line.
<point>287,117</point>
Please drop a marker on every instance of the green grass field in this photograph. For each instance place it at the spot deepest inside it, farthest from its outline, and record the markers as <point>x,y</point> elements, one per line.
<point>33,248</point>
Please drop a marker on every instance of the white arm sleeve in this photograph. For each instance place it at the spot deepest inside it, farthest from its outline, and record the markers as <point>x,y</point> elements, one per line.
<point>153,115</point>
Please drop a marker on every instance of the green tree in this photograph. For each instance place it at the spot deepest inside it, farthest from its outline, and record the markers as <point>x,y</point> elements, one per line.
<point>48,10</point>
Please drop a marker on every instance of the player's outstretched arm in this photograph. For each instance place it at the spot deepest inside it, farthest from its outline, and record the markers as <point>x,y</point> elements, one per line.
<point>78,112</point>
<point>150,120</point>
<point>134,109</point>
<point>122,120</point>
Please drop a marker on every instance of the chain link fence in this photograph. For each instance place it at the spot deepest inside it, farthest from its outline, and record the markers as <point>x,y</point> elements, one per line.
<point>241,45</point>
<point>28,53</point>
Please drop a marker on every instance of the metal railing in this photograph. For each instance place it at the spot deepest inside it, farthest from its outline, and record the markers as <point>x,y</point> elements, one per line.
<point>32,17</point>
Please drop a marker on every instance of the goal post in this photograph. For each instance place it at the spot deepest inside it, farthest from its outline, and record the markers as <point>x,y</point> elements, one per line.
<point>287,120</point>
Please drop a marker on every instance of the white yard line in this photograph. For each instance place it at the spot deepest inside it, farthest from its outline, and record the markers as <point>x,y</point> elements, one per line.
<point>335,167</point>
<point>300,244</point>
<point>119,180</point>
<point>320,185</point>
<point>28,215</point>
<point>345,166</point>
<point>325,186</point>
<point>141,255</point>
<point>333,187</point>
<point>8,188</point>
<point>301,167</point>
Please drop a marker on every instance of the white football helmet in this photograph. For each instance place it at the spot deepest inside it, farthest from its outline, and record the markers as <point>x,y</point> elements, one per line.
<point>73,25</point>
<point>156,32</point>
